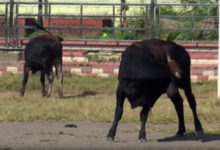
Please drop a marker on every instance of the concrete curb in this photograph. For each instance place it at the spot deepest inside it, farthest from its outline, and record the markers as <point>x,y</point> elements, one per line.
<point>204,63</point>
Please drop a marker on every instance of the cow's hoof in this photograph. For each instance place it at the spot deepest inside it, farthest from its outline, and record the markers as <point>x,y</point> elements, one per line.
<point>22,92</point>
<point>142,137</point>
<point>60,95</point>
<point>48,95</point>
<point>143,140</point>
<point>110,139</point>
<point>44,94</point>
<point>180,133</point>
<point>199,133</point>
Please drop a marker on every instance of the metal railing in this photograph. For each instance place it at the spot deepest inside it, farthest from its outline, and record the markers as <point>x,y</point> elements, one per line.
<point>189,21</point>
<point>110,21</point>
<point>4,33</point>
<point>112,31</point>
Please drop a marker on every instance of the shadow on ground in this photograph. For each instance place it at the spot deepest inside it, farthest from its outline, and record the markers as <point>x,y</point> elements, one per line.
<point>192,137</point>
<point>81,95</point>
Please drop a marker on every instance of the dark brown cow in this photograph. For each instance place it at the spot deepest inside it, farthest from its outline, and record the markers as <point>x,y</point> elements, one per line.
<point>147,70</point>
<point>41,54</point>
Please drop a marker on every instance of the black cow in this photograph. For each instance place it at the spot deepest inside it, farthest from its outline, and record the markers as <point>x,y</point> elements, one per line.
<point>148,69</point>
<point>41,54</point>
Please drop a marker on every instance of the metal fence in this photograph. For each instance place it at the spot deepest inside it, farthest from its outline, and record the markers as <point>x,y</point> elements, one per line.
<point>4,23</point>
<point>108,21</point>
<point>193,22</point>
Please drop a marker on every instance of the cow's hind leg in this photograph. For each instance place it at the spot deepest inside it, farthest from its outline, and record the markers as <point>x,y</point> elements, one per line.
<point>25,79</point>
<point>60,79</point>
<point>42,80</point>
<point>118,114</point>
<point>50,82</point>
<point>143,118</point>
<point>192,103</point>
<point>173,94</point>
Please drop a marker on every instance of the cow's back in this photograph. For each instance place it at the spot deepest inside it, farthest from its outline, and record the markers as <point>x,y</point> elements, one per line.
<point>42,48</point>
<point>138,62</point>
<point>148,60</point>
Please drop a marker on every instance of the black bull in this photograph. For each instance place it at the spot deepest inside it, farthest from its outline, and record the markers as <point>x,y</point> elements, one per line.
<point>147,70</point>
<point>41,54</point>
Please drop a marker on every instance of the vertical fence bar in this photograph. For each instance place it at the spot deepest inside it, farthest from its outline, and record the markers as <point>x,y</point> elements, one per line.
<point>146,21</point>
<point>6,24</point>
<point>40,13</point>
<point>192,25</point>
<point>46,12</point>
<point>81,20</point>
<point>158,21</point>
<point>120,16</point>
<point>16,25</point>
<point>11,31</point>
<point>113,22</point>
<point>49,17</point>
<point>152,18</point>
<point>46,7</point>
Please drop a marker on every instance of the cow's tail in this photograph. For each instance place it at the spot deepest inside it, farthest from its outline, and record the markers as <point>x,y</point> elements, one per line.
<point>45,30</point>
<point>174,67</point>
<point>41,28</point>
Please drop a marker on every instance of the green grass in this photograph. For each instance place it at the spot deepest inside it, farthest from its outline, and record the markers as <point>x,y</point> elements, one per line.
<point>93,99</point>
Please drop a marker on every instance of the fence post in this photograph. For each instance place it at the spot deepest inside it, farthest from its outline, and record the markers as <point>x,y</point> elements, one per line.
<point>152,14</point>
<point>49,17</point>
<point>81,20</point>
<point>40,13</point>
<point>16,26</point>
<point>157,21</point>
<point>147,21</point>
<point>113,22</point>
<point>11,30</point>
<point>6,25</point>
<point>46,7</point>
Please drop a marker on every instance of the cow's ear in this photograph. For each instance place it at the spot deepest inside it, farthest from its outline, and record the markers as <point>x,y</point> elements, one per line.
<point>59,38</point>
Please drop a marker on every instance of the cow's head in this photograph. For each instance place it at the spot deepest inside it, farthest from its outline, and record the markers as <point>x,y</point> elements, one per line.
<point>59,38</point>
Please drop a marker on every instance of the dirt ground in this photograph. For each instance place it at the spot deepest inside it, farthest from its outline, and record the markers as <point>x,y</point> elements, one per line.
<point>42,135</point>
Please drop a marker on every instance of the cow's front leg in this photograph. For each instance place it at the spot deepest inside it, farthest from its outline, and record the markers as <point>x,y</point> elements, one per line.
<point>42,80</point>
<point>143,118</point>
<point>118,115</point>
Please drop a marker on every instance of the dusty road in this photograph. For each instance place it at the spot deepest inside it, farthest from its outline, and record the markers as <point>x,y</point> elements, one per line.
<point>42,135</point>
